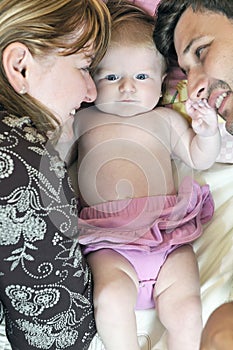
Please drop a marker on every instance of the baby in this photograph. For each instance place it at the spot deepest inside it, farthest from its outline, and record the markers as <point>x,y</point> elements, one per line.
<point>136,228</point>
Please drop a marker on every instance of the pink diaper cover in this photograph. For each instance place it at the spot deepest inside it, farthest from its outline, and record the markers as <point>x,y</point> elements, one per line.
<point>147,266</point>
<point>145,230</point>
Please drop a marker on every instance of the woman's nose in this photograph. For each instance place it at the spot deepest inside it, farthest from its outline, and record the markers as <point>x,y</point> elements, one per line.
<point>197,84</point>
<point>127,85</point>
<point>91,90</point>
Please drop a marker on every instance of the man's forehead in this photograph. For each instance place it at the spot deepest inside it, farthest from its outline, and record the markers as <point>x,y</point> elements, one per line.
<point>190,27</point>
<point>182,34</point>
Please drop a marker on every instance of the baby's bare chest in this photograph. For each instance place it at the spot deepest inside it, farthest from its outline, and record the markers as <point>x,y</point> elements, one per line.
<point>124,161</point>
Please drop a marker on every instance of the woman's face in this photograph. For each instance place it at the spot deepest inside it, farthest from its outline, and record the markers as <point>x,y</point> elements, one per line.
<point>62,83</point>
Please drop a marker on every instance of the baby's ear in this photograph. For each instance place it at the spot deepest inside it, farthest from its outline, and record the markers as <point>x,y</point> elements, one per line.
<point>15,63</point>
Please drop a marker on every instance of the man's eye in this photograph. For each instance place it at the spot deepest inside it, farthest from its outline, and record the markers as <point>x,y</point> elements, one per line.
<point>199,51</point>
<point>141,76</point>
<point>111,77</point>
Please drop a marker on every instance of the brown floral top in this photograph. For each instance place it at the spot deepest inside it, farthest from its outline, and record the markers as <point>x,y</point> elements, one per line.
<point>45,284</point>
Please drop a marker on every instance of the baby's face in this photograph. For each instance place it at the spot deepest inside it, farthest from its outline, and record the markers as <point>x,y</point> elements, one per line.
<point>128,80</point>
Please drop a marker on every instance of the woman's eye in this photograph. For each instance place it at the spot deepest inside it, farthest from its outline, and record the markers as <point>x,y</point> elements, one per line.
<point>112,77</point>
<point>141,76</point>
<point>86,69</point>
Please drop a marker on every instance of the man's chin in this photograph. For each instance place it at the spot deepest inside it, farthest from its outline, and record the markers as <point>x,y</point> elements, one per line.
<point>228,122</point>
<point>229,127</point>
<point>226,113</point>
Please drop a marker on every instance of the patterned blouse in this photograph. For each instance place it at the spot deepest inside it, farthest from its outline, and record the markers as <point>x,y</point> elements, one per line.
<point>45,284</point>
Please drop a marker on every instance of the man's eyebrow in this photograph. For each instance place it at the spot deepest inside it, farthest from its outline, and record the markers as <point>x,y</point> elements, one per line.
<point>190,44</point>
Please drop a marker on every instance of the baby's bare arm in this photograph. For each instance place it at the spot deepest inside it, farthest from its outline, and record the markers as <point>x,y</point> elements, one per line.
<point>198,148</point>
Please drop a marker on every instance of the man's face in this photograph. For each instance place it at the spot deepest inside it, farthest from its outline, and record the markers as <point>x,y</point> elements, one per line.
<point>204,46</point>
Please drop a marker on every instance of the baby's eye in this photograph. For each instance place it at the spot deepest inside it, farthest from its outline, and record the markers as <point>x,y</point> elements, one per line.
<point>112,77</point>
<point>142,76</point>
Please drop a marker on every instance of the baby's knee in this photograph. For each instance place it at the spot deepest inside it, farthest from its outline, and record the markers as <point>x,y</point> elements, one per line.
<point>181,313</point>
<point>116,295</point>
<point>190,310</point>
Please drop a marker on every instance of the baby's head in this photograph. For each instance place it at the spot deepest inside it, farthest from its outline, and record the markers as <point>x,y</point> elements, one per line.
<point>129,77</point>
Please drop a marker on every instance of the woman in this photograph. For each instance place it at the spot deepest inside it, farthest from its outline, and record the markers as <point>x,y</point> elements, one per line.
<point>46,50</point>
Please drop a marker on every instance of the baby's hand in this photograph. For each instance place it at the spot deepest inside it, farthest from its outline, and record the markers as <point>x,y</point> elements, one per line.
<point>204,117</point>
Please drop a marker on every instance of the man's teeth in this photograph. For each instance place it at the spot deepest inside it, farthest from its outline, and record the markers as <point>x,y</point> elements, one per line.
<point>220,99</point>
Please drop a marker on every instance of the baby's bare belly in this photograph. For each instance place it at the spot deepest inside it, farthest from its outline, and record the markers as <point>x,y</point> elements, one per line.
<point>118,179</point>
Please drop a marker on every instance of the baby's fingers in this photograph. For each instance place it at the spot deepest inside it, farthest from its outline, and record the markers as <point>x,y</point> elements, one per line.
<point>194,108</point>
<point>202,106</point>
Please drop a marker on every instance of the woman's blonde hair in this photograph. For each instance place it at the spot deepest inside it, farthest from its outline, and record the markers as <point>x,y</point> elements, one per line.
<point>43,26</point>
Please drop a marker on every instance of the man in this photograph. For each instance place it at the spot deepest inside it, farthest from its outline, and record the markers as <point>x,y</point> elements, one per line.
<point>199,35</point>
<point>218,331</point>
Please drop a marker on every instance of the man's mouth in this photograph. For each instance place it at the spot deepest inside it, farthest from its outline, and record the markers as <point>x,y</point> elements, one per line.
<point>220,99</point>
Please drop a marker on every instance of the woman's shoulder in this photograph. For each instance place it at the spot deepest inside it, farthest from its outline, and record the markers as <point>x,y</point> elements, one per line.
<point>33,177</point>
<point>21,126</point>
<point>20,143</point>
<point>28,158</point>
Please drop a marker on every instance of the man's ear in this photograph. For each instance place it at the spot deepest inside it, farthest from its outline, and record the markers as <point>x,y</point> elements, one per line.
<point>15,62</point>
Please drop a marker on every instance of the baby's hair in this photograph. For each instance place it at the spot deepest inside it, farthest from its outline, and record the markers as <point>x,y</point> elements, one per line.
<point>49,26</point>
<point>132,26</point>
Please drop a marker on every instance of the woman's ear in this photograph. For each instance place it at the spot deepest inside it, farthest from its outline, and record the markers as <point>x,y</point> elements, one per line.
<point>163,77</point>
<point>15,63</point>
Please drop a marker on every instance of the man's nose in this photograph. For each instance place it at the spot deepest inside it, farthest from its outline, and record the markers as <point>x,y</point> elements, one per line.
<point>127,85</point>
<point>197,84</point>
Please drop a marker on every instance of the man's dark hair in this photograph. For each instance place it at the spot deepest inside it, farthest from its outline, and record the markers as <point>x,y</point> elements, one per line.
<point>169,13</point>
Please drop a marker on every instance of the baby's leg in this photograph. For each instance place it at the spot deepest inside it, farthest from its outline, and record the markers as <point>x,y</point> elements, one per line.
<point>115,294</point>
<point>178,303</point>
